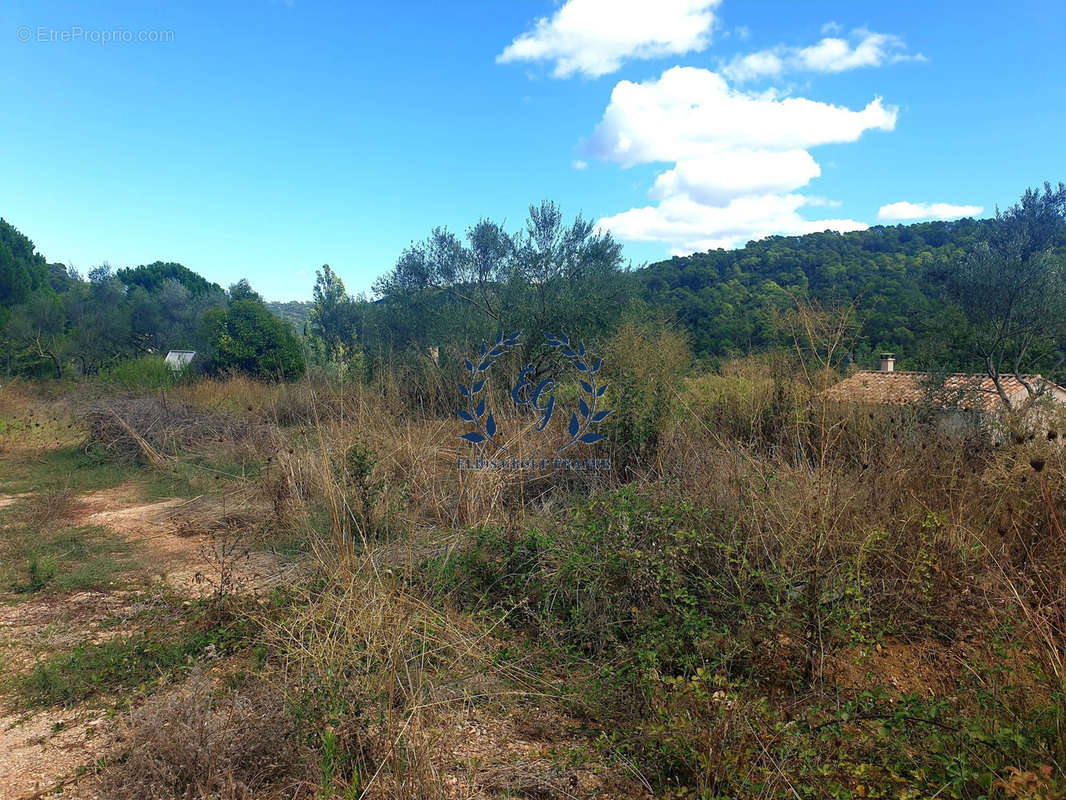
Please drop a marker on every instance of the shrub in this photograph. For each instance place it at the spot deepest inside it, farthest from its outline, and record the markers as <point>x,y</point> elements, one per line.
<point>756,401</point>
<point>147,373</point>
<point>246,337</point>
<point>649,585</point>
<point>195,742</point>
<point>643,363</point>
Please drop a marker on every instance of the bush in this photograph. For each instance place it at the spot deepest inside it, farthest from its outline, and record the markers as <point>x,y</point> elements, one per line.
<point>649,585</point>
<point>147,373</point>
<point>247,338</point>
<point>644,364</point>
<point>193,742</point>
<point>756,401</point>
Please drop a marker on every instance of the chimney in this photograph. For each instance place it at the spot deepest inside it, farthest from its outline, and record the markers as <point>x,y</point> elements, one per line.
<point>888,362</point>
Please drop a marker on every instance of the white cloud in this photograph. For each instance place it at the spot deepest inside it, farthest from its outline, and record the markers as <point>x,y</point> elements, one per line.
<point>594,37</point>
<point>579,164</point>
<point>688,226</point>
<point>689,110</point>
<point>907,211</point>
<point>816,200</point>
<point>718,177</point>
<point>764,62</point>
<point>831,54</point>
<point>737,158</point>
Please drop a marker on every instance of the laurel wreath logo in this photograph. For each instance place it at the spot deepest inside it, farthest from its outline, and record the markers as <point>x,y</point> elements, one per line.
<point>579,429</point>
<point>484,432</point>
<point>581,421</point>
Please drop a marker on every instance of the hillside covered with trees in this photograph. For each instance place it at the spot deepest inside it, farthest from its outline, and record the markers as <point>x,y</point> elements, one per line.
<point>896,276</point>
<point>931,292</point>
<point>908,284</point>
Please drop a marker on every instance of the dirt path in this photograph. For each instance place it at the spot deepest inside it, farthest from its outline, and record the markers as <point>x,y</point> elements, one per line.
<point>9,499</point>
<point>43,749</point>
<point>39,749</point>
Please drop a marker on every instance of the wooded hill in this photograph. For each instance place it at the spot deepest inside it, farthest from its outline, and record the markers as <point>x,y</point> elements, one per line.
<point>897,277</point>
<point>942,295</point>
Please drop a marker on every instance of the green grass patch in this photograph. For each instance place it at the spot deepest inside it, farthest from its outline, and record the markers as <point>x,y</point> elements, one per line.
<point>63,469</point>
<point>77,469</point>
<point>200,475</point>
<point>66,559</point>
<point>140,662</point>
<point>288,546</point>
<point>145,374</point>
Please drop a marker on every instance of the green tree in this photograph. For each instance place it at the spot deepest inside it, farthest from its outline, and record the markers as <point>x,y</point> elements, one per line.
<point>22,270</point>
<point>99,316</point>
<point>242,290</point>
<point>332,319</point>
<point>1012,287</point>
<point>151,278</point>
<point>549,276</point>
<point>565,277</point>
<point>35,333</point>
<point>246,337</point>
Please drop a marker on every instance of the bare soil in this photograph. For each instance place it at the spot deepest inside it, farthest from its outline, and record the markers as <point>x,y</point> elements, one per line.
<point>45,749</point>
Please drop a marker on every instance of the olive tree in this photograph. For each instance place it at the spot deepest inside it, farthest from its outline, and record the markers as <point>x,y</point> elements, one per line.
<point>1012,286</point>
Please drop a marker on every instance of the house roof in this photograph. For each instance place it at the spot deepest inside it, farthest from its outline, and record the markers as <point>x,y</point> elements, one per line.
<point>959,390</point>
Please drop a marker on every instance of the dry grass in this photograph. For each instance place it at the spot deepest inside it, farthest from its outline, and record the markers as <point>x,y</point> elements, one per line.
<point>817,530</point>
<point>201,741</point>
<point>153,429</point>
<point>536,780</point>
<point>31,423</point>
<point>886,496</point>
<point>939,531</point>
<point>384,679</point>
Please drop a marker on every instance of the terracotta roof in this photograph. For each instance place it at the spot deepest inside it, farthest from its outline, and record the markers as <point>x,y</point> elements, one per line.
<point>959,391</point>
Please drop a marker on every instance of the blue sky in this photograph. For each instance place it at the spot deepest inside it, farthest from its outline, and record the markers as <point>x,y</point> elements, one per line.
<point>264,138</point>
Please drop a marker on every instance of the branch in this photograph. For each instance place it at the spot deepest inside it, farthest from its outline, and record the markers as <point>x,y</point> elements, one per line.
<point>485,308</point>
<point>993,373</point>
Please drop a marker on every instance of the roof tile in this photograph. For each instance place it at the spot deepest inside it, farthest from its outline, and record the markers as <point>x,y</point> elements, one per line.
<point>959,391</point>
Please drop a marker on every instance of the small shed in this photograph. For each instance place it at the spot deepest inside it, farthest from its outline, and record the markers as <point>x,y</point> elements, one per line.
<point>178,360</point>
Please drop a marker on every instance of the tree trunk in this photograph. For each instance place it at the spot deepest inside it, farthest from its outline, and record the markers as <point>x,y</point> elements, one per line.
<point>56,361</point>
<point>993,373</point>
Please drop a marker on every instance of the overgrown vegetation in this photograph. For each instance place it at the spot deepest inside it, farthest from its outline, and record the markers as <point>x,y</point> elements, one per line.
<point>766,595</point>
<point>873,613</point>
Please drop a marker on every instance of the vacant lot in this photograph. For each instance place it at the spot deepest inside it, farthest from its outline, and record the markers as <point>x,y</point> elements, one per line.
<point>230,589</point>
